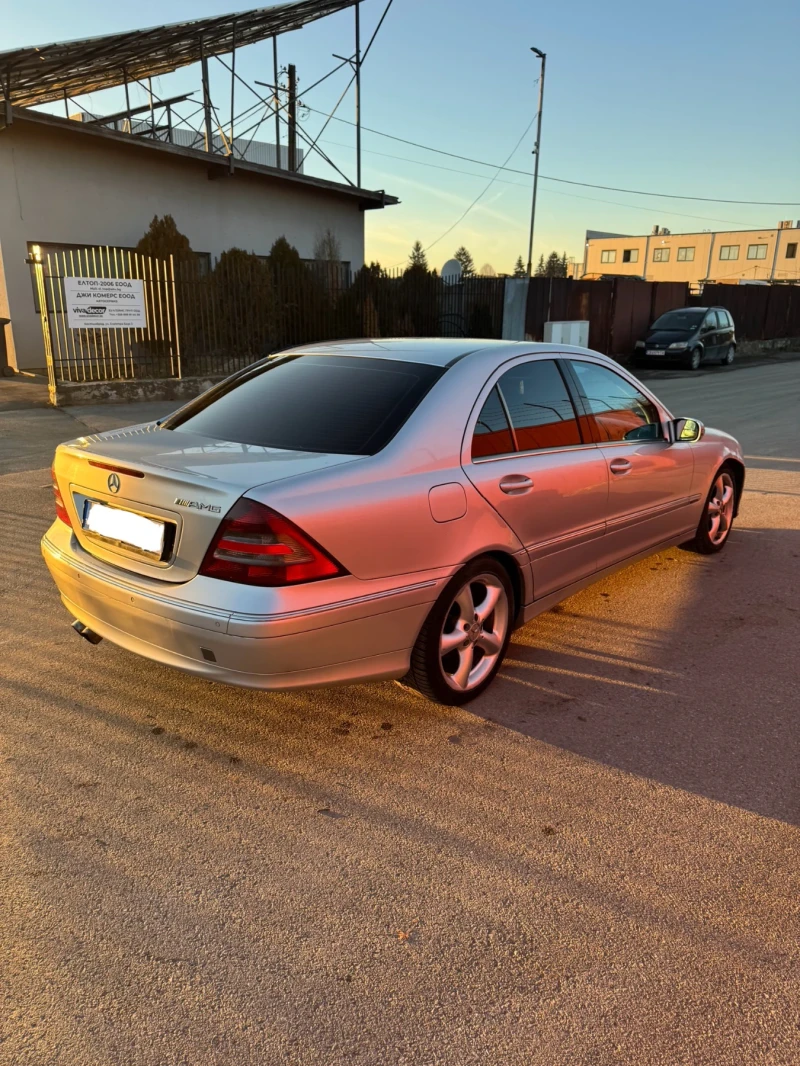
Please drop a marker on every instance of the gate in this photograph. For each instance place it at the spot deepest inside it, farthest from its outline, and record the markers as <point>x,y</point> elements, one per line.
<point>107,314</point>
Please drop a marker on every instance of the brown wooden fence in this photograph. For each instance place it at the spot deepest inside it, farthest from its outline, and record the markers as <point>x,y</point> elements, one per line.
<point>760,312</point>
<point>620,310</point>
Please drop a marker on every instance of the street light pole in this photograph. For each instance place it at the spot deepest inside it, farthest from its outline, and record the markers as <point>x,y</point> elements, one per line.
<point>543,57</point>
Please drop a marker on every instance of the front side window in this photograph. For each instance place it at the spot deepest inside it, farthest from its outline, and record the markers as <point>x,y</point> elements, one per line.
<point>620,410</point>
<point>685,255</point>
<point>310,403</point>
<point>756,251</point>
<point>729,251</point>
<point>492,434</point>
<point>661,255</point>
<point>791,250</point>
<point>630,255</point>
<point>608,256</point>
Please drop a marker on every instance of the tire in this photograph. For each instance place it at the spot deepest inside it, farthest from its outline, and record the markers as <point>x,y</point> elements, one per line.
<point>729,356</point>
<point>694,359</point>
<point>716,522</point>
<point>466,668</point>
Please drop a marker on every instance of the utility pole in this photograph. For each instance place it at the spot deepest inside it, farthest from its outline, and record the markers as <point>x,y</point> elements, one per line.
<point>209,129</point>
<point>276,101</point>
<point>292,116</point>
<point>543,57</point>
<point>358,96</point>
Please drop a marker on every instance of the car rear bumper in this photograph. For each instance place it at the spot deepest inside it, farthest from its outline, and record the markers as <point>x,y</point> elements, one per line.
<point>368,637</point>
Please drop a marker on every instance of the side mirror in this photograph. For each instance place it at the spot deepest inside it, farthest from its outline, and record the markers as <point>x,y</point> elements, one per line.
<point>686,430</point>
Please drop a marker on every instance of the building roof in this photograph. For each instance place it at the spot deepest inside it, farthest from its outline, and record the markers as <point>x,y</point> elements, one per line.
<point>216,165</point>
<point>41,74</point>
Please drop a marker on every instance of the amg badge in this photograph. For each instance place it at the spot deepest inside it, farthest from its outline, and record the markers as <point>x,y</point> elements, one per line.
<point>199,506</point>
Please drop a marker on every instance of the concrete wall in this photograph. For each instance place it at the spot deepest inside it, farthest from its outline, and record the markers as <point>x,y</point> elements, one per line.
<point>66,187</point>
<point>706,264</point>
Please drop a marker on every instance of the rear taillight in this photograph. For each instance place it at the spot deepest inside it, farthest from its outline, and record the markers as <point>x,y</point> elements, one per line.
<point>256,546</point>
<point>61,511</point>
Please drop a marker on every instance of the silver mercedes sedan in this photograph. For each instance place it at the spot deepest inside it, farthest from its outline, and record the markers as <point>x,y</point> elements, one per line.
<point>367,510</point>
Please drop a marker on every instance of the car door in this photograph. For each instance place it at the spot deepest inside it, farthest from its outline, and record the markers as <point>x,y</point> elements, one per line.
<point>725,334</point>
<point>709,336</point>
<point>650,479</point>
<point>538,466</point>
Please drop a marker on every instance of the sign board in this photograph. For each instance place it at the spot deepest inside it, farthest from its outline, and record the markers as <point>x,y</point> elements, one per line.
<point>105,303</point>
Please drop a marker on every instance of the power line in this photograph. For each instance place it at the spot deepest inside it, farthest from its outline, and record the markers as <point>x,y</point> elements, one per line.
<point>525,185</point>
<point>566,181</point>
<point>486,188</point>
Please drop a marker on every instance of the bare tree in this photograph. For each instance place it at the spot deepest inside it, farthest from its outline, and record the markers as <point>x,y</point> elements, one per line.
<point>327,248</point>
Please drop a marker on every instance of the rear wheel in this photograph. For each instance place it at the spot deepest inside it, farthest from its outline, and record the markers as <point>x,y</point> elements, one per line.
<point>464,640</point>
<point>717,520</point>
<point>695,359</point>
<point>728,356</point>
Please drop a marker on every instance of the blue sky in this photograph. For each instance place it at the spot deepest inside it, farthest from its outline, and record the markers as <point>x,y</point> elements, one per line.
<point>679,97</point>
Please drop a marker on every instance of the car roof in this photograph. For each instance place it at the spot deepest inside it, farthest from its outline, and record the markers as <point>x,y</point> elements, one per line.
<point>435,351</point>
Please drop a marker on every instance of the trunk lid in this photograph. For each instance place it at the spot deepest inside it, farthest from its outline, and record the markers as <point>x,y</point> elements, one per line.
<point>180,484</point>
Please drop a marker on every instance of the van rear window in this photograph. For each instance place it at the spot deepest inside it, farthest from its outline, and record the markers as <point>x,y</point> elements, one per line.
<point>312,403</point>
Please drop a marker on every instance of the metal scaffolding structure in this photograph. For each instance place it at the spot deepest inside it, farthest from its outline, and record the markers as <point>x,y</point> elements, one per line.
<point>33,76</point>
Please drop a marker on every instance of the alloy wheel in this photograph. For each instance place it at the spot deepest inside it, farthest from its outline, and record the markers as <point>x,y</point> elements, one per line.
<point>474,632</point>
<point>729,356</point>
<point>694,359</point>
<point>720,508</point>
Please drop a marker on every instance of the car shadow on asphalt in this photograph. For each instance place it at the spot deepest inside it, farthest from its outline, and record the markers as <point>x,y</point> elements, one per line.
<point>701,694</point>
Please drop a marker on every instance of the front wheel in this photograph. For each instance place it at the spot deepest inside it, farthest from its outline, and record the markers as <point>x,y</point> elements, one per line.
<point>695,359</point>
<point>464,640</point>
<point>717,520</point>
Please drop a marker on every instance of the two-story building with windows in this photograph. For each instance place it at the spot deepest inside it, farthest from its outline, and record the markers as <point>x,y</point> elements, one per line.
<point>725,256</point>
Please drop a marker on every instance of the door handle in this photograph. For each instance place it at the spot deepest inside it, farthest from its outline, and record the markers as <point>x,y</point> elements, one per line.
<point>619,466</point>
<point>515,484</point>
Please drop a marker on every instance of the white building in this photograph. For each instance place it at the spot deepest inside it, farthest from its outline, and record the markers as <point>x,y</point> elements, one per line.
<point>94,183</point>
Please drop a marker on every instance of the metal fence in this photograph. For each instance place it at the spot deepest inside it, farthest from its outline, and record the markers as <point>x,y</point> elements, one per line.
<point>88,353</point>
<point>245,308</point>
<point>208,322</point>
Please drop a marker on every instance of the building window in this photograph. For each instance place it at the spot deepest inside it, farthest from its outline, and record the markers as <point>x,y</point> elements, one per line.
<point>608,256</point>
<point>661,255</point>
<point>791,251</point>
<point>756,251</point>
<point>630,255</point>
<point>729,251</point>
<point>685,255</point>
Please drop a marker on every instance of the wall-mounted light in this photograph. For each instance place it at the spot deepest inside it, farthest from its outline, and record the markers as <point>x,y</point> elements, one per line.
<point>36,253</point>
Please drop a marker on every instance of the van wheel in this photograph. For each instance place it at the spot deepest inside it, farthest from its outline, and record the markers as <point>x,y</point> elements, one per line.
<point>464,640</point>
<point>695,359</point>
<point>729,356</point>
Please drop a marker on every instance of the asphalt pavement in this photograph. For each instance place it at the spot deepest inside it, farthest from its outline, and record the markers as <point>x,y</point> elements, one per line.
<point>598,862</point>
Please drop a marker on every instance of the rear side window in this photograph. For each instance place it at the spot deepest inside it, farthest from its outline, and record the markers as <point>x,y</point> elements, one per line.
<point>492,433</point>
<point>312,403</point>
<point>621,411</point>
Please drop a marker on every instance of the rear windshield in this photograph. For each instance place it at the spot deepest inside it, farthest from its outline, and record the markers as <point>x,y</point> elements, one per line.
<point>312,403</point>
<point>689,319</point>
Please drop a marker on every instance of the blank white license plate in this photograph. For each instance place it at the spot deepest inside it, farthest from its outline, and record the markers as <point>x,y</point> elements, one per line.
<point>127,528</point>
<point>655,351</point>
